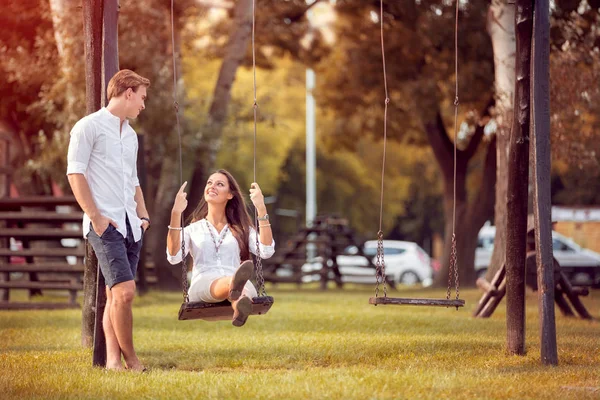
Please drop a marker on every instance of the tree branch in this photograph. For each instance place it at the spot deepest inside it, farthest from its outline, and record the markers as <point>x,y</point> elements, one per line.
<point>216,4</point>
<point>297,17</point>
<point>478,135</point>
<point>440,143</point>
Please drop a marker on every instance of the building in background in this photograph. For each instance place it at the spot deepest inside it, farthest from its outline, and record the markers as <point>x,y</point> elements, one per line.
<point>582,224</point>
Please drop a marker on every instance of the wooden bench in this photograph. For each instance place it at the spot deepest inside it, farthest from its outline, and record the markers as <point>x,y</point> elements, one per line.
<point>50,267</point>
<point>564,292</point>
<point>41,233</point>
<point>36,219</point>
<point>41,216</point>
<point>329,236</point>
<point>43,252</point>
<point>48,202</point>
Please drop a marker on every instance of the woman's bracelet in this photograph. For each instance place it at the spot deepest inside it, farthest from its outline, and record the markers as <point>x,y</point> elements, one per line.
<point>263,226</point>
<point>174,228</point>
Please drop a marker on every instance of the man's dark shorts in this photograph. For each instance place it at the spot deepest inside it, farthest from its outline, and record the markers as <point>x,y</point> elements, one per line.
<point>118,256</point>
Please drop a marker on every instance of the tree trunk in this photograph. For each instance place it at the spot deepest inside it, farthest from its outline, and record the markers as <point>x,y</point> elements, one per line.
<point>501,28</point>
<point>469,217</point>
<point>518,179</point>
<point>212,131</point>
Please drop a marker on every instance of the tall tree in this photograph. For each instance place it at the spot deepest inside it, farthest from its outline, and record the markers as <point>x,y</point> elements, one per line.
<point>501,28</point>
<point>575,70</point>
<point>470,214</point>
<point>29,67</point>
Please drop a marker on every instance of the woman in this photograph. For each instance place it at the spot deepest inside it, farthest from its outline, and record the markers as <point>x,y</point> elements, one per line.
<point>220,235</point>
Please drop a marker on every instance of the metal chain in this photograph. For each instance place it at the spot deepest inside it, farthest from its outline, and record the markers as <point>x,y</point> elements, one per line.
<point>260,280</point>
<point>380,266</point>
<point>452,268</point>
<point>186,297</point>
<point>456,283</point>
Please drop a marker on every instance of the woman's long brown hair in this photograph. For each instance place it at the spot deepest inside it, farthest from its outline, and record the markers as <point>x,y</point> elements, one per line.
<point>236,212</point>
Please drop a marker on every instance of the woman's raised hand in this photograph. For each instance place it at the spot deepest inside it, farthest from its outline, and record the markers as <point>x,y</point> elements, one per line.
<point>180,200</point>
<point>256,195</point>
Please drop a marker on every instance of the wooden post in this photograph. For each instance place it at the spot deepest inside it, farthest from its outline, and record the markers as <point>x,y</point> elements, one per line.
<point>99,352</point>
<point>5,242</point>
<point>107,23</point>
<point>7,177</point>
<point>540,161</point>
<point>92,30</point>
<point>518,174</point>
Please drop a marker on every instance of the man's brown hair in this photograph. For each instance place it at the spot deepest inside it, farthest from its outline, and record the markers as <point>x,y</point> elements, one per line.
<point>123,80</point>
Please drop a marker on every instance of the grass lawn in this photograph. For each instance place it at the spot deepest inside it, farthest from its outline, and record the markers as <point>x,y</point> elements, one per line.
<point>311,345</point>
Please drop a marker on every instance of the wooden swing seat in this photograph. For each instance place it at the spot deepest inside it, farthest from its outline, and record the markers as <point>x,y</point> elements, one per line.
<point>222,310</point>
<point>398,301</point>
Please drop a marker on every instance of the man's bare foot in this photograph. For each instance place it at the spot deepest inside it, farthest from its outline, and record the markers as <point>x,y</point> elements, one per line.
<point>115,366</point>
<point>135,365</point>
<point>137,368</point>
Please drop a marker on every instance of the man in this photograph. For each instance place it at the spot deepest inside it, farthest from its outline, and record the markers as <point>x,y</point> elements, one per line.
<point>103,176</point>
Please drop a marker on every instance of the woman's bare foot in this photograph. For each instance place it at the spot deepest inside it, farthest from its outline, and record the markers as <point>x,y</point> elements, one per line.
<point>239,279</point>
<point>242,308</point>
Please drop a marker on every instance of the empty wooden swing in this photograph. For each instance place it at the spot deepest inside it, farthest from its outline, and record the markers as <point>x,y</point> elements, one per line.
<point>380,263</point>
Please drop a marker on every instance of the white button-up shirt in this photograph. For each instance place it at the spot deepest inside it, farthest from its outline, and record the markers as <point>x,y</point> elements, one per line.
<point>199,242</point>
<point>106,155</point>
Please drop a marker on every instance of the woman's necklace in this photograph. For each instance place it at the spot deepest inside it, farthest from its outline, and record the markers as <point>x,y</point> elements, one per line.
<point>217,245</point>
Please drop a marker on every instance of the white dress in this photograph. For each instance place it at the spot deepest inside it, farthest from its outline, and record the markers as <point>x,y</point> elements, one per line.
<point>209,264</point>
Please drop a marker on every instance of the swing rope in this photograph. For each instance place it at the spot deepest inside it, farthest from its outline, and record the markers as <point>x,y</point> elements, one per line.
<point>380,262</point>
<point>184,280</point>
<point>453,267</point>
<point>260,280</point>
<point>258,263</point>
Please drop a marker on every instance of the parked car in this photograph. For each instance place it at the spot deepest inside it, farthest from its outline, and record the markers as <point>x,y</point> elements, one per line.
<point>405,263</point>
<point>577,260</point>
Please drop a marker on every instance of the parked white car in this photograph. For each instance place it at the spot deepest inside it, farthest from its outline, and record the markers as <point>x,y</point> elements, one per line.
<point>568,253</point>
<point>405,263</point>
